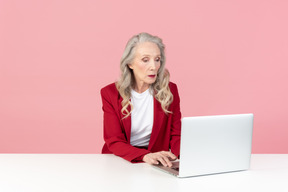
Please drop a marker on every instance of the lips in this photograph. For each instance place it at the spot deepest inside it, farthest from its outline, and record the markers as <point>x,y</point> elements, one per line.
<point>152,76</point>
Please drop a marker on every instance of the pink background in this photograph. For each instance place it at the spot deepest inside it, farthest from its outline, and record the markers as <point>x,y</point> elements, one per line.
<point>226,57</point>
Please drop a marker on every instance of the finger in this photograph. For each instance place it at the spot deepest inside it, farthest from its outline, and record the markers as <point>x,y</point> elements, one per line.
<point>162,161</point>
<point>154,161</point>
<point>170,155</point>
<point>167,161</point>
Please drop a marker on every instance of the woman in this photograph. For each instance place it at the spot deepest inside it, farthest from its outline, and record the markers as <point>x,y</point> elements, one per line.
<point>142,118</point>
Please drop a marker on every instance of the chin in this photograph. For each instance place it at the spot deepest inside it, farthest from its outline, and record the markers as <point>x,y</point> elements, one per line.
<point>151,82</point>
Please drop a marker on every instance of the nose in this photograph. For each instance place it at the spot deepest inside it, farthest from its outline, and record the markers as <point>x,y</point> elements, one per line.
<point>153,65</point>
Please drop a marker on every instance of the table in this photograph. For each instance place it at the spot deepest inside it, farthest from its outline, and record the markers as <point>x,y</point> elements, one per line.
<point>101,173</point>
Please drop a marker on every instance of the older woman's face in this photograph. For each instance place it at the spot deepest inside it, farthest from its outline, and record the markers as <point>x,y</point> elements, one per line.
<point>146,63</point>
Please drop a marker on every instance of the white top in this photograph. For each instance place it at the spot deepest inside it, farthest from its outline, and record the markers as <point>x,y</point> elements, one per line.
<point>142,117</point>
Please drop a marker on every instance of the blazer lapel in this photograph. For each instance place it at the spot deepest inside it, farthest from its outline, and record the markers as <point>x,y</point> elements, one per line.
<point>126,122</point>
<point>157,122</point>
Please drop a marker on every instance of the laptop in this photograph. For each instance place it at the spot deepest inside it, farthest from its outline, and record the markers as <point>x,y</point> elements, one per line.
<point>213,144</point>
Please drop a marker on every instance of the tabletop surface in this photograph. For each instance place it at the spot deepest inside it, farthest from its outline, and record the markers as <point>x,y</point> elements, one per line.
<point>100,173</point>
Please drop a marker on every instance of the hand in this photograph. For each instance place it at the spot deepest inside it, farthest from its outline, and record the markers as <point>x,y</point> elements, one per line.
<point>164,157</point>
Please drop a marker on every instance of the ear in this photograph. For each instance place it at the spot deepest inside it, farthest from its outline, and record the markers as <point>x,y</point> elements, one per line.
<point>130,66</point>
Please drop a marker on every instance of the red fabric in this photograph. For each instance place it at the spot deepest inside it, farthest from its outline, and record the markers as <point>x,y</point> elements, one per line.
<point>117,131</point>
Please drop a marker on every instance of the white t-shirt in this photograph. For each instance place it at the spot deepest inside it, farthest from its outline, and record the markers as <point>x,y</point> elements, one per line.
<point>142,117</point>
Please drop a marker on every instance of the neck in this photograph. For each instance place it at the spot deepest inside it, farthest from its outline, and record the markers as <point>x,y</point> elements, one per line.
<point>140,88</point>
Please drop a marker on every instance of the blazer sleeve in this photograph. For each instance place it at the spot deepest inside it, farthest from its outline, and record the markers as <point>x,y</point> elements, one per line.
<point>114,135</point>
<point>175,122</point>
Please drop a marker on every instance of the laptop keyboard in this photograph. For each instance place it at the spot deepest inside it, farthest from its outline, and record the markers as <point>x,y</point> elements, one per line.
<point>175,168</point>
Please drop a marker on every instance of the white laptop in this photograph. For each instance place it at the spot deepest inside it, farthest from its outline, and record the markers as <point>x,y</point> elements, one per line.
<point>213,144</point>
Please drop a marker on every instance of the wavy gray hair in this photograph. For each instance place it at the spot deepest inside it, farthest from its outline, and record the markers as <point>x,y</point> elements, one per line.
<point>126,82</point>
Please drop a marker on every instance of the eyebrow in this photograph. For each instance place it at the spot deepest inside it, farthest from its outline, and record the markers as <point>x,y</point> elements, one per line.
<point>150,55</point>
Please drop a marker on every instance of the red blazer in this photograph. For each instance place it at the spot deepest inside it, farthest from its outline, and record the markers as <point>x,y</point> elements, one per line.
<point>117,131</point>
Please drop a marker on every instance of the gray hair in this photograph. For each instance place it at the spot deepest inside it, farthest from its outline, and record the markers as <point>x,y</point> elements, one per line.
<point>127,81</point>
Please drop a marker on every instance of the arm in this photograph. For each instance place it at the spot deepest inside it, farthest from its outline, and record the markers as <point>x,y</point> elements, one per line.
<point>114,136</point>
<point>176,122</point>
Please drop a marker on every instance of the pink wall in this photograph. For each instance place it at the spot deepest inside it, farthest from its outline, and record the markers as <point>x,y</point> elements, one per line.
<point>226,57</point>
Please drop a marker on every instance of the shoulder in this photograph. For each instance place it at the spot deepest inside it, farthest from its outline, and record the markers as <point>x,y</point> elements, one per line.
<point>109,90</point>
<point>174,91</point>
<point>173,87</point>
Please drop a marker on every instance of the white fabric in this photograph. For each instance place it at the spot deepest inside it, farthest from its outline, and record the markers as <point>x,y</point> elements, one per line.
<point>142,117</point>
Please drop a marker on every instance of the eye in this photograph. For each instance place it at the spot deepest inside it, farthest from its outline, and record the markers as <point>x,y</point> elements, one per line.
<point>158,59</point>
<point>145,60</point>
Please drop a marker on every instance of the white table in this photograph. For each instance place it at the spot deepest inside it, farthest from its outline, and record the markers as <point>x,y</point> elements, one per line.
<point>101,173</point>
